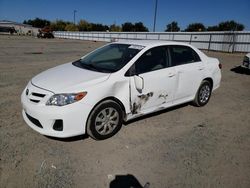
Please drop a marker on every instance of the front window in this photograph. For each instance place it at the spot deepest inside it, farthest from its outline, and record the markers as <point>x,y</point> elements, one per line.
<point>154,59</point>
<point>110,58</point>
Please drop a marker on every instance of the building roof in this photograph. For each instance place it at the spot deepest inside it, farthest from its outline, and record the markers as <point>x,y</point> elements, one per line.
<point>7,22</point>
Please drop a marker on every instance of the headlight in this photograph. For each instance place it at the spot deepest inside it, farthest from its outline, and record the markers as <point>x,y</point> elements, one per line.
<point>65,98</point>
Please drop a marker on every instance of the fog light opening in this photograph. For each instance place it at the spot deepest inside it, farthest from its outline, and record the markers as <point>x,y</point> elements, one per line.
<point>58,125</point>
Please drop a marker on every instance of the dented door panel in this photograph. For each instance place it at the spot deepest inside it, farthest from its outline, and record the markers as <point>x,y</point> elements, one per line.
<point>158,91</point>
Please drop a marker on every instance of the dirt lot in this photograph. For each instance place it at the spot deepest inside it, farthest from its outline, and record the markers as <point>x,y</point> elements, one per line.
<point>181,147</point>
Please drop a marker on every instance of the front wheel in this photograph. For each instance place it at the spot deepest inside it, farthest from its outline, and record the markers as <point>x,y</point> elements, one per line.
<point>203,94</point>
<point>105,120</point>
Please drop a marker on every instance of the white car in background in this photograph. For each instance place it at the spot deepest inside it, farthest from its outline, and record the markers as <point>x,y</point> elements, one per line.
<point>246,61</point>
<point>115,83</point>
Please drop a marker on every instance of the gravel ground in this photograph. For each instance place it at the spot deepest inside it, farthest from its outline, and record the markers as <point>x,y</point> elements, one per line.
<point>184,146</point>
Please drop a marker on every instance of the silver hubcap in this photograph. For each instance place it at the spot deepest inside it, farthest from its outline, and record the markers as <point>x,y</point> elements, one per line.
<point>204,93</point>
<point>106,121</point>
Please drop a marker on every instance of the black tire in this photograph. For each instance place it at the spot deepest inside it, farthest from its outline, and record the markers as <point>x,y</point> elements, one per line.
<point>94,121</point>
<point>203,94</point>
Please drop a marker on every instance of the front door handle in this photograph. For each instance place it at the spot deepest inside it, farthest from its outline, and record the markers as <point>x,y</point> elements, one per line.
<point>201,68</point>
<point>171,74</point>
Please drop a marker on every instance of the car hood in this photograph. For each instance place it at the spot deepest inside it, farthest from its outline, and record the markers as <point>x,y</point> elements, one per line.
<point>68,78</point>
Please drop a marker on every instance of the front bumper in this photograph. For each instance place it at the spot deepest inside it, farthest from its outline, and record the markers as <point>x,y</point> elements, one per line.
<point>73,116</point>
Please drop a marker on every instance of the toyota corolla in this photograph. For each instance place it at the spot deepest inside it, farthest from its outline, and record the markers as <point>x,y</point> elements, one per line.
<point>116,83</point>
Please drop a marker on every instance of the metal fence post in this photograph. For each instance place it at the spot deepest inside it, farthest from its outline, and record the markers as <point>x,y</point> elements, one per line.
<point>191,36</point>
<point>209,43</point>
<point>234,38</point>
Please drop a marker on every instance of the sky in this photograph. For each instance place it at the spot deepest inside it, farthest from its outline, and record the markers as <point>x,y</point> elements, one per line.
<point>208,12</point>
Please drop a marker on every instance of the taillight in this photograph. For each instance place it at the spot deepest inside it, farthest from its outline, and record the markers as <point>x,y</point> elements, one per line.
<point>220,65</point>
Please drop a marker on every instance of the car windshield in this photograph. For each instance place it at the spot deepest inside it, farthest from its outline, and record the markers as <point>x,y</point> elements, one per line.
<point>109,58</point>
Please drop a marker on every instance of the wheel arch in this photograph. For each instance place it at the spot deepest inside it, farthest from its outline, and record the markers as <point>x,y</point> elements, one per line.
<point>114,99</point>
<point>210,80</point>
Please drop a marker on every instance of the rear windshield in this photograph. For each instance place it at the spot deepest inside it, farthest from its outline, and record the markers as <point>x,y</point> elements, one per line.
<point>109,58</point>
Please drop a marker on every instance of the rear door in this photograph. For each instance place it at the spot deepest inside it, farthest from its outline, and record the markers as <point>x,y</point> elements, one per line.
<point>189,71</point>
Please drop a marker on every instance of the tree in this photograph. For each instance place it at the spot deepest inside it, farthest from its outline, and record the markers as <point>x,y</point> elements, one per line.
<point>195,27</point>
<point>84,25</point>
<point>227,26</point>
<point>127,26</point>
<point>140,27</point>
<point>115,28</point>
<point>172,27</point>
<point>213,28</point>
<point>59,25</point>
<point>37,22</point>
<point>99,27</point>
<point>230,26</point>
<point>71,27</point>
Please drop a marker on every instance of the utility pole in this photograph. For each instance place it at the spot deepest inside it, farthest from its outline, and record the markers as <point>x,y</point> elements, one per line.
<point>156,2</point>
<point>75,17</point>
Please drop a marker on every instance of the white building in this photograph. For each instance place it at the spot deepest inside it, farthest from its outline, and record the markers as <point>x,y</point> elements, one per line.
<point>21,29</point>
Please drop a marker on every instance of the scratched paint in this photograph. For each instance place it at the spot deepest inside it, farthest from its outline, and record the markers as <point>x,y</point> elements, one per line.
<point>136,107</point>
<point>163,96</point>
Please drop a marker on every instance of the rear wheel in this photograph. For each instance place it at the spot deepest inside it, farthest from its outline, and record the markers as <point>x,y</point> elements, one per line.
<point>203,94</point>
<point>105,120</point>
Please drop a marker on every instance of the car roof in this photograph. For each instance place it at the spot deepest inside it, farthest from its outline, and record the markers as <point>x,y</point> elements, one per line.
<point>151,43</point>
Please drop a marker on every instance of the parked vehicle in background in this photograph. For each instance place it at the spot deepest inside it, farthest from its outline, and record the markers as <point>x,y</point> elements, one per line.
<point>10,30</point>
<point>45,32</point>
<point>116,83</point>
<point>246,61</point>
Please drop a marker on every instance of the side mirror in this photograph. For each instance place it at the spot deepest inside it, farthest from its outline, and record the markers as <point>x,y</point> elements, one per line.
<point>139,83</point>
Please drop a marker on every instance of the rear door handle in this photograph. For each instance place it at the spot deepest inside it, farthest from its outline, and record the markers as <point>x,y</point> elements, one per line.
<point>201,68</point>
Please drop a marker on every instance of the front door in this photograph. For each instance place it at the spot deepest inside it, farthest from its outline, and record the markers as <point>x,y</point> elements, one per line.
<point>158,79</point>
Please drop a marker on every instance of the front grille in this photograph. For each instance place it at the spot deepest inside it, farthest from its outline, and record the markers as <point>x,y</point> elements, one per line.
<point>36,97</point>
<point>34,121</point>
<point>33,100</point>
<point>36,94</point>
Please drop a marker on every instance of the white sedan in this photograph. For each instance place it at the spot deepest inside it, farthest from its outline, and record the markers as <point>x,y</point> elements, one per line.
<point>115,83</point>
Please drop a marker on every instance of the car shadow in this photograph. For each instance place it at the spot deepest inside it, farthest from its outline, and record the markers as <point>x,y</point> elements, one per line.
<point>126,181</point>
<point>240,70</point>
<point>156,113</point>
<point>70,139</point>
